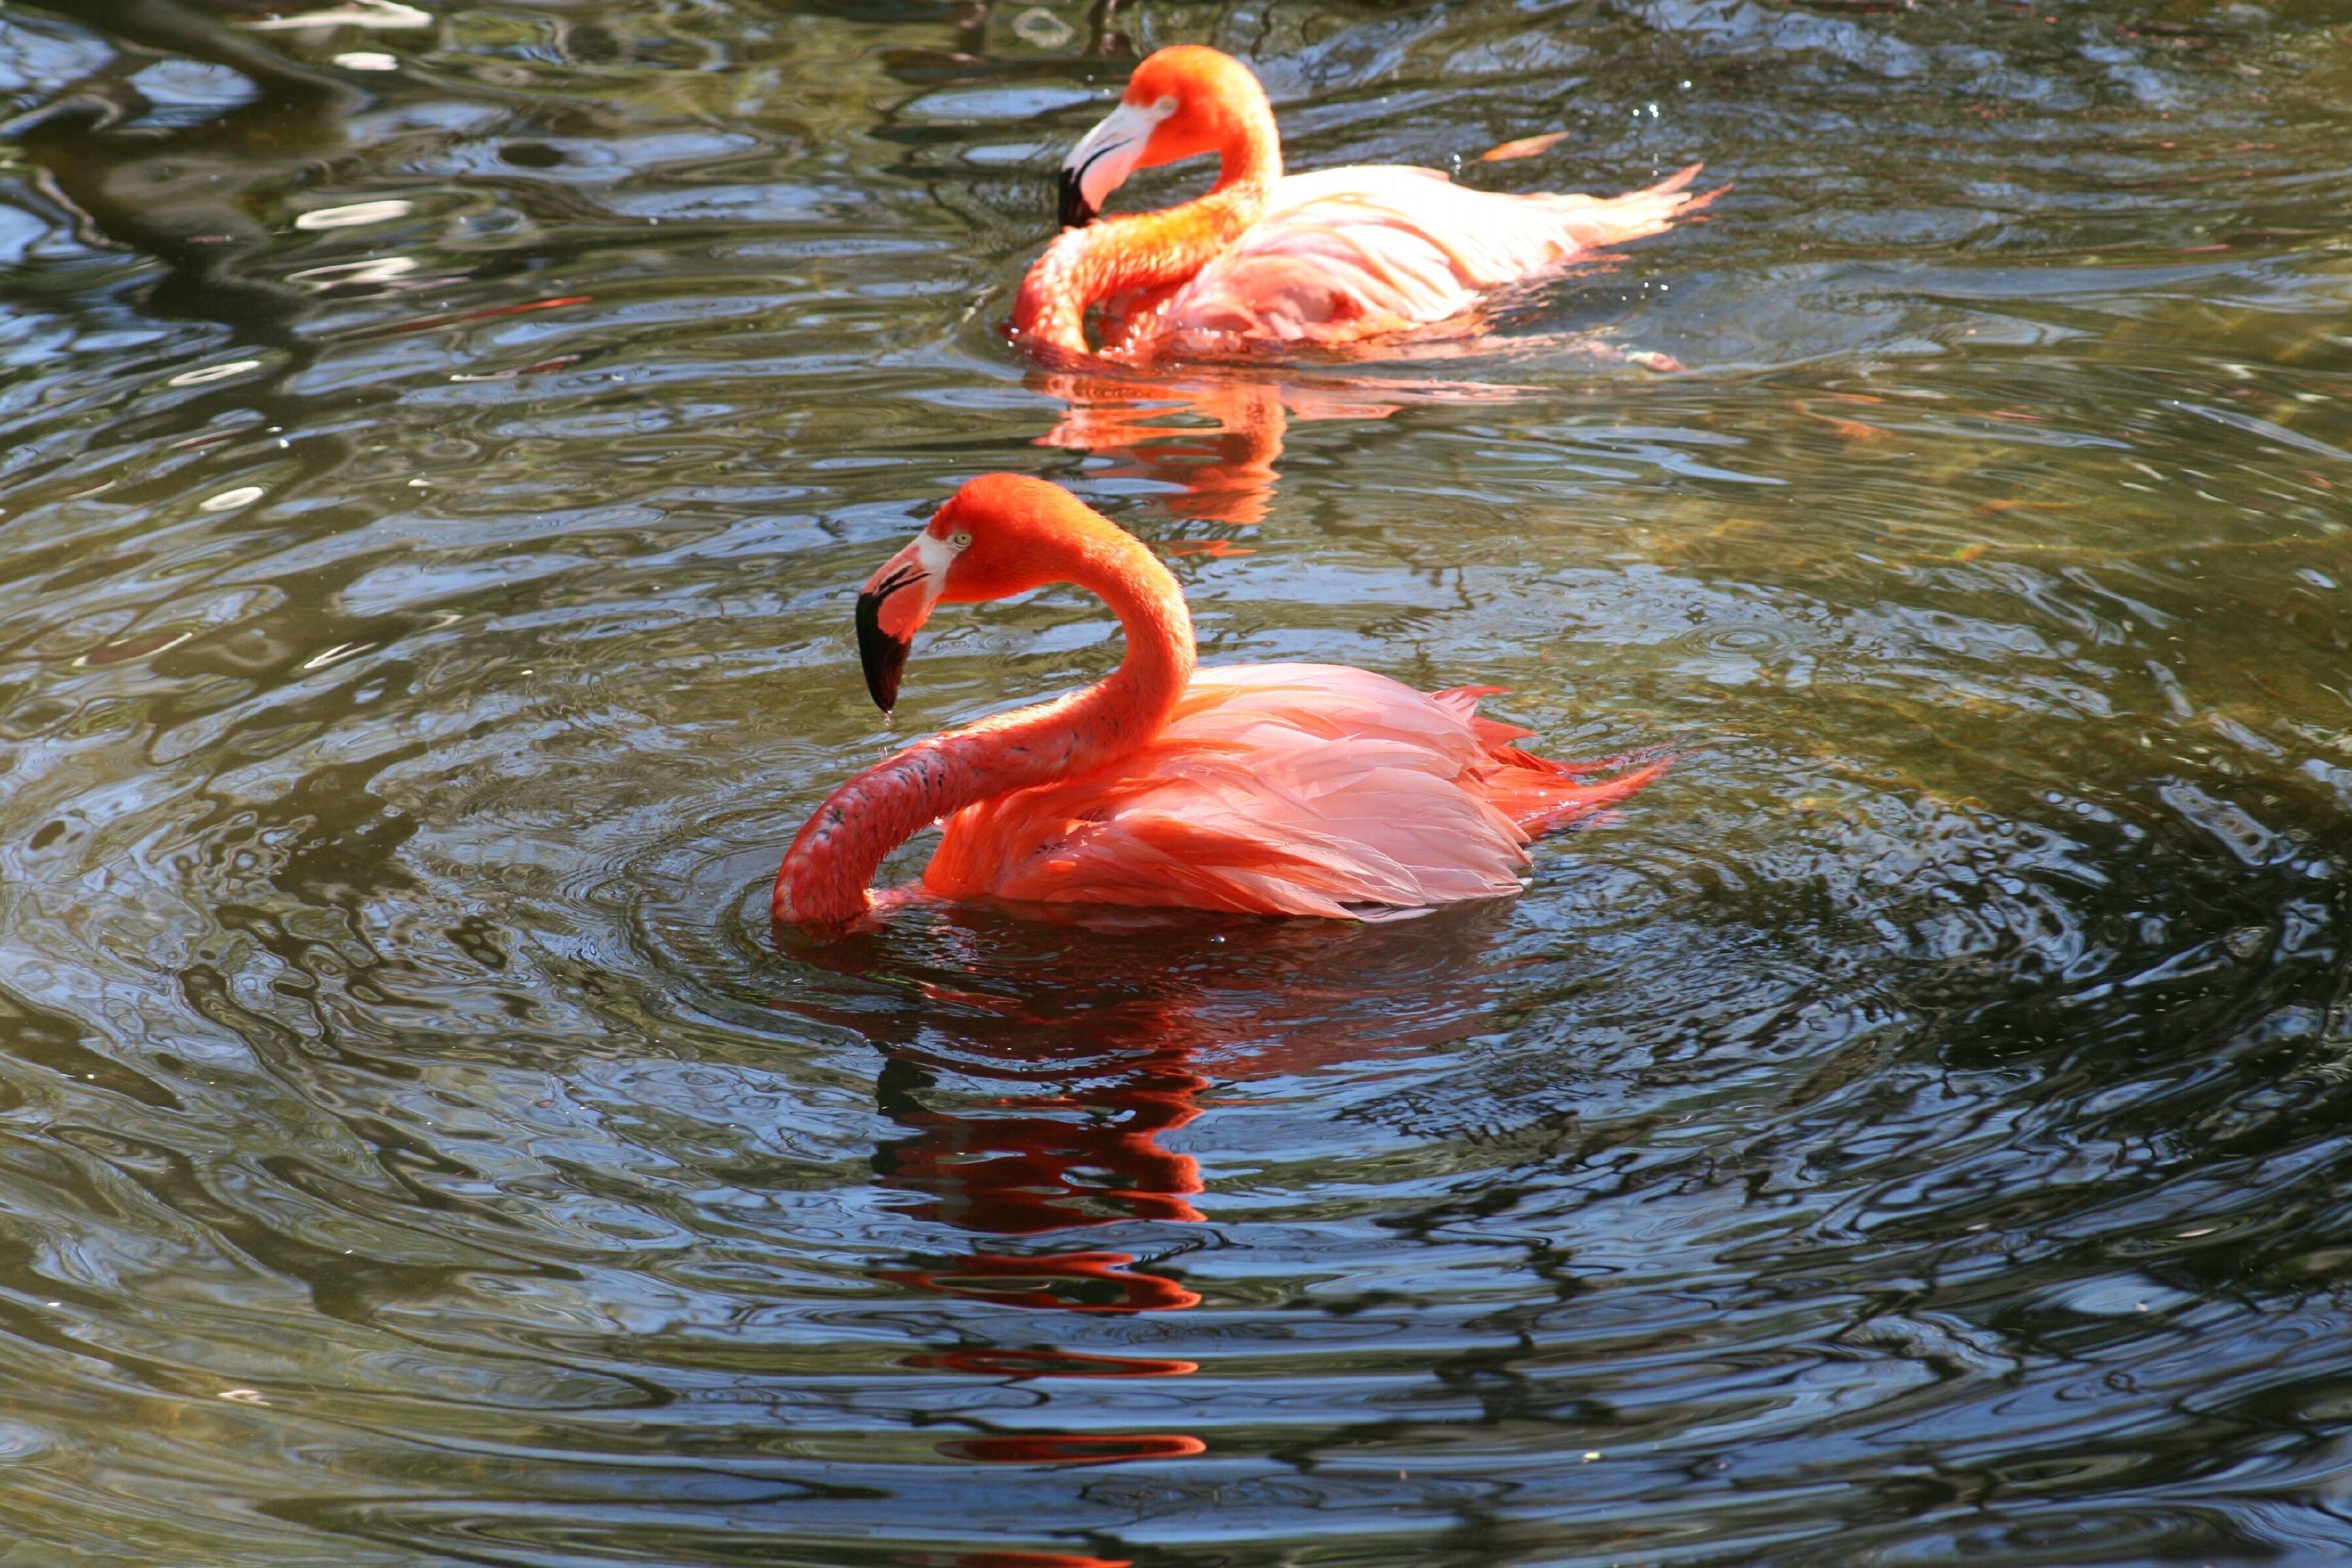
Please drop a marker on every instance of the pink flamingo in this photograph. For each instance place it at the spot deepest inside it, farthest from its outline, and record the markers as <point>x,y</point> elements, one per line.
<point>1335,257</point>
<point>1300,789</point>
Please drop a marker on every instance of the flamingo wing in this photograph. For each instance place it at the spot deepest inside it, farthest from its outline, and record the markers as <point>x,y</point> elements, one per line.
<point>1350,253</point>
<point>1280,789</point>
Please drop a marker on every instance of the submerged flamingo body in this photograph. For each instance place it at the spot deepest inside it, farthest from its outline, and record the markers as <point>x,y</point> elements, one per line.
<point>1336,257</point>
<point>1345,255</point>
<point>1290,789</point>
<point>1278,789</point>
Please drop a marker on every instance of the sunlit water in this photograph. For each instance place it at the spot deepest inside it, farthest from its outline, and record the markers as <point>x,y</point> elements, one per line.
<point>1915,1131</point>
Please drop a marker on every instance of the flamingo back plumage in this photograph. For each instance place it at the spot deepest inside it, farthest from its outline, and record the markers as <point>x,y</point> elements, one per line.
<point>1298,789</point>
<point>1352,252</point>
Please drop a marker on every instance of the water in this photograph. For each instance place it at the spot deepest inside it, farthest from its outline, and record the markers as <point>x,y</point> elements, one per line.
<point>1913,1132</point>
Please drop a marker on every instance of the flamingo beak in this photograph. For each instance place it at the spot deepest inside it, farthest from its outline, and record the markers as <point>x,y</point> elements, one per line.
<point>891,608</point>
<point>1105,157</point>
<point>1077,211</point>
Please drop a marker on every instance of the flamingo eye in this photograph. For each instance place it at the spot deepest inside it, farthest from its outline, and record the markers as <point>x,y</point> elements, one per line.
<point>961,540</point>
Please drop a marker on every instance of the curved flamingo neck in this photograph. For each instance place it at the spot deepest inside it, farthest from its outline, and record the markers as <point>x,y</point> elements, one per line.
<point>830,867</point>
<point>1142,250</point>
<point>1251,152</point>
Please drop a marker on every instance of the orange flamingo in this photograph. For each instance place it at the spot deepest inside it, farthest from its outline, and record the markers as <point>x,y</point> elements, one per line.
<point>1331,258</point>
<point>1304,789</point>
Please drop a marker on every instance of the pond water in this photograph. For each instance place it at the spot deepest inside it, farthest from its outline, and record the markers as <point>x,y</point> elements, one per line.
<point>440,448</point>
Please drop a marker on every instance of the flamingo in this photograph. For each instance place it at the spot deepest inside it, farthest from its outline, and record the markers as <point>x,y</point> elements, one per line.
<point>1336,257</point>
<point>1276,789</point>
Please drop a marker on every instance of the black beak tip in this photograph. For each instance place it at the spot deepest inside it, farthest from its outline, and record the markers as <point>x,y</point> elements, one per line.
<point>1077,211</point>
<point>882,656</point>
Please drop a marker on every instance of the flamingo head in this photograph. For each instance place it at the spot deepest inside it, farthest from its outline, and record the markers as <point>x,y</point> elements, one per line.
<point>1000,535</point>
<point>1181,102</point>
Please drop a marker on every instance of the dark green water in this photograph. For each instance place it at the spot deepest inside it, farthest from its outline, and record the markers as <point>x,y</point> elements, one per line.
<point>1915,1132</point>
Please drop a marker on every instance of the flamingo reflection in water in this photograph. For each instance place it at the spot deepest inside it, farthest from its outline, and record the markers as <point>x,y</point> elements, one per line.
<point>1213,433</point>
<point>1054,1084</point>
<point>1042,1064</point>
<point>1071,1142</point>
